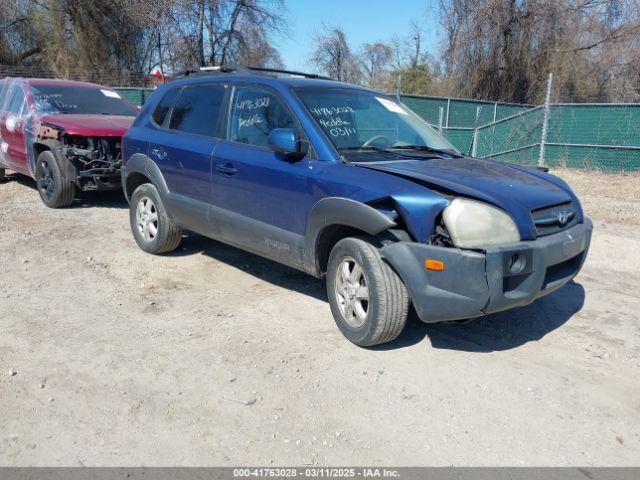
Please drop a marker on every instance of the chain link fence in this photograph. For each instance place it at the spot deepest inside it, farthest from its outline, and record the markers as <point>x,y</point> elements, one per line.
<point>596,136</point>
<point>135,88</point>
<point>109,78</point>
<point>579,135</point>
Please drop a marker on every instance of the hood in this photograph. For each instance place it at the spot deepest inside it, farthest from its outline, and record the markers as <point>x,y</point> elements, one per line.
<point>90,125</point>
<point>514,189</point>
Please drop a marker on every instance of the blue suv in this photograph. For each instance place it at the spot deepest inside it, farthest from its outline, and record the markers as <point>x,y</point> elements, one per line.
<point>346,183</point>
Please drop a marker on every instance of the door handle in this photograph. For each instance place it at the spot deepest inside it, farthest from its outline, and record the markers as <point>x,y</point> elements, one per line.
<point>226,169</point>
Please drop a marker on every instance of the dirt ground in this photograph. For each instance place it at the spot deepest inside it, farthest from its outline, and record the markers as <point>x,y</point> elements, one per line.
<point>212,356</point>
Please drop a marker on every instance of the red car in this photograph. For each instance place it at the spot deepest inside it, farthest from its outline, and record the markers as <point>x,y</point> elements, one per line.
<point>66,135</point>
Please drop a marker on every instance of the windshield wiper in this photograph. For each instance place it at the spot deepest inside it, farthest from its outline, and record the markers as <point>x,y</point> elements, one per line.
<point>371,148</point>
<point>425,148</point>
<point>365,148</point>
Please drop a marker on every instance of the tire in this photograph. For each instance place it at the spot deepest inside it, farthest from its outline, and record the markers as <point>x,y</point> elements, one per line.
<point>382,316</point>
<point>2,174</point>
<point>152,229</point>
<point>55,190</point>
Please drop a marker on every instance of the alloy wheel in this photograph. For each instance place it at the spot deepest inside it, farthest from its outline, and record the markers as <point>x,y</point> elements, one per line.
<point>352,292</point>
<point>46,183</point>
<point>147,219</point>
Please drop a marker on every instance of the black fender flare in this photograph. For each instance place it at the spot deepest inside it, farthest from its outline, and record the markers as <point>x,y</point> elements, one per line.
<point>332,211</point>
<point>141,164</point>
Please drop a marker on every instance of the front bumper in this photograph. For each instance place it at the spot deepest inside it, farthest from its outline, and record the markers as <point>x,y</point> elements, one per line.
<point>478,283</point>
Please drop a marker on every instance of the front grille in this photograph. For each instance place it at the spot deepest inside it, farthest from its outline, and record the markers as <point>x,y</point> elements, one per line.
<point>554,219</point>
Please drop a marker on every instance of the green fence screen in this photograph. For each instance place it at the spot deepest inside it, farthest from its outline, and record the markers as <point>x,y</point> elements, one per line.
<point>458,112</point>
<point>135,96</point>
<point>596,136</point>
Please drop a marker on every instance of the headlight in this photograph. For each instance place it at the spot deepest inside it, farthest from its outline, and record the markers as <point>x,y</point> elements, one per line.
<point>474,224</point>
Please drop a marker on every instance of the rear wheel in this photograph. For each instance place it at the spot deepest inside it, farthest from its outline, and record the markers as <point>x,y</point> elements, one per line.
<point>368,300</point>
<point>152,229</point>
<point>55,190</point>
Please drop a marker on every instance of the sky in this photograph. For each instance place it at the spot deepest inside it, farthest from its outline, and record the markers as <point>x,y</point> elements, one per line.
<point>363,21</point>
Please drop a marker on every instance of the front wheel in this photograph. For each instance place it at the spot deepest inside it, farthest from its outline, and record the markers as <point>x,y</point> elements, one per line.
<point>56,191</point>
<point>368,300</point>
<point>152,229</point>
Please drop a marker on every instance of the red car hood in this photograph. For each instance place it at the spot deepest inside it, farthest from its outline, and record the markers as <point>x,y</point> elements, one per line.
<point>90,125</point>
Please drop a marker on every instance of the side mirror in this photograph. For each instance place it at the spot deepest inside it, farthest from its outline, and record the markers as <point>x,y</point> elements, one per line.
<point>283,141</point>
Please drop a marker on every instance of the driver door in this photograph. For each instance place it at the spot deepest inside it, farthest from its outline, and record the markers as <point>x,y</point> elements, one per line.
<point>261,198</point>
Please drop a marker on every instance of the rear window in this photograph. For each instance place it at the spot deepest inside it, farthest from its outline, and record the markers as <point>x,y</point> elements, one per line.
<point>55,99</point>
<point>160,113</point>
<point>197,110</point>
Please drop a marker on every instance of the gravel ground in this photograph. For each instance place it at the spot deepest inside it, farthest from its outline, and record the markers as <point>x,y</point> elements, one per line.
<point>212,356</point>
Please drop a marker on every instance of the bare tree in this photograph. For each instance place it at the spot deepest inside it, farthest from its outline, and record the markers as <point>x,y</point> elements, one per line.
<point>221,32</point>
<point>415,43</point>
<point>375,59</point>
<point>333,56</point>
<point>18,38</point>
<point>122,41</point>
<point>256,50</point>
<point>411,64</point>
<point>504,49</point>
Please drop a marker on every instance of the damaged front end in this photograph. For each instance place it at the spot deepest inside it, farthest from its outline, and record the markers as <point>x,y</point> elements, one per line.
<point>92,163</point>
<point>97,160</point>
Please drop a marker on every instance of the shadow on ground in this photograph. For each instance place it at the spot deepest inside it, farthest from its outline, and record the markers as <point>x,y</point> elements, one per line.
<point>496,332</point>
<point>90,199</point>
<point>266,270</point>
<point>499,331</point>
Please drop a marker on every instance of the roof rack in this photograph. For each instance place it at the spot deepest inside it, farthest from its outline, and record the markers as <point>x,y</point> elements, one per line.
<point>245,70</point>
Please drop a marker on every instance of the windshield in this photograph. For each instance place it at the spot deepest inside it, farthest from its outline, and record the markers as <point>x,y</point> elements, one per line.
<point>361,120</point>
<point>54,99</point>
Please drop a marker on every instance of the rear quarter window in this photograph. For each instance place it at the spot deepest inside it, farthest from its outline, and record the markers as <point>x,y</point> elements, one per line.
<point>198,109</point>
<point>161,111</point>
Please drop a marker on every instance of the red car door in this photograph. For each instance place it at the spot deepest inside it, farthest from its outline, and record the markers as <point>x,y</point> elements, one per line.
<point>14,122</point>
<point>5,95</point>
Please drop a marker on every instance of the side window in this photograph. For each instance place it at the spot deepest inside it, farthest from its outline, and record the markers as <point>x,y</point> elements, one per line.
<point>254,113</point>
<point>160,113</point>
<point>17,101</point>
<point>4,88</point>
<point>25,109</point>
<point>197,110</point>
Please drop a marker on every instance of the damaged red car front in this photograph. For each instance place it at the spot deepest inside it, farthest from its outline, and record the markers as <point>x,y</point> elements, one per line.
<point>66,135</point>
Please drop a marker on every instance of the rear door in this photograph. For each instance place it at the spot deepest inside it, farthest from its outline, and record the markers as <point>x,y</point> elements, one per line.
<point>5,91</point>
<point>183,147</point>
<point>12,125</point>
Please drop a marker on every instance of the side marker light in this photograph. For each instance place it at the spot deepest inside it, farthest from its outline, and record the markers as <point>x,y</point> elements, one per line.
<point>436,265</point>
